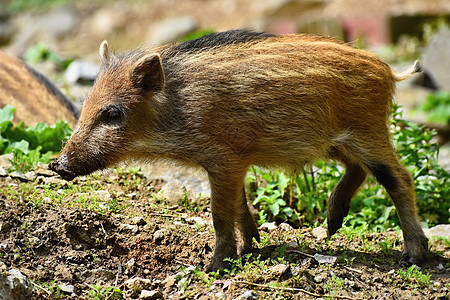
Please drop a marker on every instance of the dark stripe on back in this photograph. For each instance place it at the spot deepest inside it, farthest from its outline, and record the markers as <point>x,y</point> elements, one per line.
<point>221,39</point>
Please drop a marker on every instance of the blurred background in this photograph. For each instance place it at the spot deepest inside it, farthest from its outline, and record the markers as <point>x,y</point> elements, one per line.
<point>60,38</point>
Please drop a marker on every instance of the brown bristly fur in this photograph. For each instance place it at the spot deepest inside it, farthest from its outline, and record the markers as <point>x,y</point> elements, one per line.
<point>35,98</point>
<point>238,98</point>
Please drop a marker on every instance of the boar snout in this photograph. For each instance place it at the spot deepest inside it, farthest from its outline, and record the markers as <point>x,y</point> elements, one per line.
<point>60,166</point>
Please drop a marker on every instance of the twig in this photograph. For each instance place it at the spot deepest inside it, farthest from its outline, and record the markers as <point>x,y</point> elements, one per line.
<point>162,215</point>
<point>353,270</point>
<point>38,286</point>
<point>294,290</point>
<point>300,252</point>
<point>182,263</point>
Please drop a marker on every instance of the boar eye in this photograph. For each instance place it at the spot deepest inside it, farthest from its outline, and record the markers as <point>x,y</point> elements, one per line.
<point>113,114</point>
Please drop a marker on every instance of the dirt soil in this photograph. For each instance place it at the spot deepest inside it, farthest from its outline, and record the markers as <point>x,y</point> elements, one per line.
<point>99,231</point>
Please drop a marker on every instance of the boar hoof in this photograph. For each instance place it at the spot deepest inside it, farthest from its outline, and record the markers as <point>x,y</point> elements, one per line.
<point>415,252</point>
<point>218,262</point>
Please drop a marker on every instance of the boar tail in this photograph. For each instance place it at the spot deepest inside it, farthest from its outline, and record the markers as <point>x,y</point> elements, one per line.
<point>415,68</point>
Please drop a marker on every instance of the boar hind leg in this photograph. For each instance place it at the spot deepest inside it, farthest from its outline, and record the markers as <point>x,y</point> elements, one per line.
<point>340,198</point>
<point>400,185</point>
<point>225,205</point>
<point>246,226</point>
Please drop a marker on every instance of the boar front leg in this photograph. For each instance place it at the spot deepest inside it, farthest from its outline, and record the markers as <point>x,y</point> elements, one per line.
<point>246,226</point>
<point>226,198</point>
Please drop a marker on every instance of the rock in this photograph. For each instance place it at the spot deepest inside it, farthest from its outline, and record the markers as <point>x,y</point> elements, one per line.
<point>20,176</point>
<point>81,71</point>
<point>197,220</point>
<point>220,296</point>
<point>129,227</point>
<point>320,233</point>
<point>325,259</point>
<point>160,234</point>
<point>54,180</point>
<point>438,230</point>
<point>43,28</point>
<point>43,170</point>
<point>103,195</point>
<point>67,288</point>
<point>5,160</point>
<point>93,276</point>
<point>139,221</point>
<point>169,30</point>
<point>150,295</point>
<point>268,226</point>
<point>3,172</point>
<point>280,270</point>
<point>249,295</point>
<point>436,58</point>
<point>285,227</point>
<point>14,285</point>
<point>195,180</point>
<point>108,19</point>
<point>170,281</point>
<point>31,175</point>
<point>136,285</point>
<point>173,191</point>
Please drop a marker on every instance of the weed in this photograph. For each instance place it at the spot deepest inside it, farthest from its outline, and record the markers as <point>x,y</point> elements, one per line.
<point>302,199</point>
<point>415,277</point>
<point>99,293</point>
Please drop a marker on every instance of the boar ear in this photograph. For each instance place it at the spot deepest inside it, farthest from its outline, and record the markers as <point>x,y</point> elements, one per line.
<point>105,55</point>
<point>148,73</point>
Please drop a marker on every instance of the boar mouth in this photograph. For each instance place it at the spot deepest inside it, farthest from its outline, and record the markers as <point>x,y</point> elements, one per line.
<point>62,170</point>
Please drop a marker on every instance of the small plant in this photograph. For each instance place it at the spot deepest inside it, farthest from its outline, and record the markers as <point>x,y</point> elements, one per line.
<point>100,293</point>
<point>30,144</point>
<point>41,52</point>
<point>415,277</point>
<point>437,107</point>
<point>302,199</point>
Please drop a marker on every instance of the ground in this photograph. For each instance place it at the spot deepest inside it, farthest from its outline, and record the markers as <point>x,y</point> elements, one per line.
<point>97,232</point>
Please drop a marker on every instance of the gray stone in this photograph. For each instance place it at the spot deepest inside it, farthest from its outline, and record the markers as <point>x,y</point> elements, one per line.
<point>268,226</point>
<point>93,276</point>
<point>160,234</point>
<point>129,227</point>
<point>136,285</point>
<point>67,288</point>
<point>220,296</point>
<point>19,176</point>
<point>325,259</point>
<point>43,170</point>
<point>173,191</point>
<point>43,28</point>
<point>3,172</point>
<point>14,285</point>
<point>438,230</point>
<point>81,71</point>
<point>250,295</point>
<point>436,58</point>
<point>280,270</point>
<point>320,233</point>
<point>169,30</point>
<point>139,221</point>
<point>150,295</point>
<point>5,160</point>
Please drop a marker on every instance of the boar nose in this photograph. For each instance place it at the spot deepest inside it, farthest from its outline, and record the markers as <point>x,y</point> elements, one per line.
<point>61,166</point>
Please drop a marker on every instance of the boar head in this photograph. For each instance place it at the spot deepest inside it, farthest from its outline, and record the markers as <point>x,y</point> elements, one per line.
<point>117,113</point>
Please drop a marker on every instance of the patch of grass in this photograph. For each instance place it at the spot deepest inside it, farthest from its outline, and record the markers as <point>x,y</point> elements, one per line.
<point>415,277</point>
